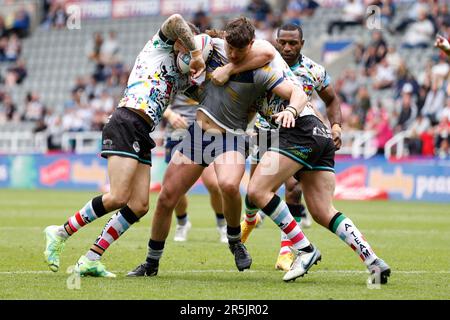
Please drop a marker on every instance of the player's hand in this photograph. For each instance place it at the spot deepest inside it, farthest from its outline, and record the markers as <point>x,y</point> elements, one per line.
<point>442,43</point>
<point>285,118</point>
<point>177,121</point>
<point>220,76</point>
<point>197,64</point>
<point>336,133</point>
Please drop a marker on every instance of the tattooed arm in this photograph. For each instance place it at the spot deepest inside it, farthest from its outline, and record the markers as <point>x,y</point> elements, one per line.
<point>175,28</point>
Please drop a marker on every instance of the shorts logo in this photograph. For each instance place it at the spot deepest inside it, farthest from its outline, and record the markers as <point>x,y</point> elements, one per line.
<point>322,132</point>
<point>136,146</point>
<point>107,143</point>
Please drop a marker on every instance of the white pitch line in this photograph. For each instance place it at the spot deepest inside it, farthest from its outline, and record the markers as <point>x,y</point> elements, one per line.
<point>247,271</point>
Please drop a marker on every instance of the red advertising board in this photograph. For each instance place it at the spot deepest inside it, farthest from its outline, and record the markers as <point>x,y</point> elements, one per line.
<point>91,9</point>
<point>169,7</point>
<point>227,6</point>
<point>137,8</point>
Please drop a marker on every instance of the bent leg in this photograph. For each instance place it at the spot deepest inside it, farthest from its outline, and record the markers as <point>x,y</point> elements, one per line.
<point>318,193</point>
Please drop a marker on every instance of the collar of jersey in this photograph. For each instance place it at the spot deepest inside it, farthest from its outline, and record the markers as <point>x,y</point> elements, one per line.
<point>298,63</point>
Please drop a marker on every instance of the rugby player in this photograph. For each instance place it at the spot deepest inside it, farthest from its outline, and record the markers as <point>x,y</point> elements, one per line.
<point>217,137</point>
<point>127,145</point>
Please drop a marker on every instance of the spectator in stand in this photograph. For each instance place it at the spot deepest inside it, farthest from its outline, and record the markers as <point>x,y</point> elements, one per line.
<point>8,110</point>
<point>352,15</point>
<point>388,10</point>
<point>420,33</point>
<point>379,43</point>
<point>201,20</point>
<point>413,15</point>
<point>418,127</point>
<point>359,52</point>
<point>375,52</point>
<point>405,108</point>
<point>34,109</point>
<point>377,120</point>
<point>404,76</point>
<point>440,69</point>
<point>2,27</point>
<point>362,104</point>
<point>95,47</point>
<point>13,48</point>
<point>109,49</point>
<point>16,74</point>
<point>260,10</point>
<point>443,131</point>
<point>422,96</point>
<point>443,18</point>
<point>297,9</point>
<point>55,130</point>
<point>349,86</point>
<point>434,102</point>
<point>370,61</point>
<point>263,30</point>
<point>59,16</point>
<point>21,24</point>
<point>3,45</point>
<point>433,16</point>
<point>384,75</point>
<point>393,58</point>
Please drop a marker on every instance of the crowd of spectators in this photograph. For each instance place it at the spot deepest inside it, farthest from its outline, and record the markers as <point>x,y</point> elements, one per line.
<point>14,26</point>
<point>379,92</point>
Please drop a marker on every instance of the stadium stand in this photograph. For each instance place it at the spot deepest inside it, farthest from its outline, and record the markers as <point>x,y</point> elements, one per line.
<point>57,63</point>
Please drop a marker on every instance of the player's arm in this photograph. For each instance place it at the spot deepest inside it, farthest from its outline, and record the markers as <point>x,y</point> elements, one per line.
<point>297,100</point>
<point>176,28</point>
<point>329,97</point>
<point>443,44</point>
<point>175,120</point>
<point>261,53</point>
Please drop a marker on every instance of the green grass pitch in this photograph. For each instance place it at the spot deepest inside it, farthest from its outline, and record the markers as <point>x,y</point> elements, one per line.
<point>413,238</point>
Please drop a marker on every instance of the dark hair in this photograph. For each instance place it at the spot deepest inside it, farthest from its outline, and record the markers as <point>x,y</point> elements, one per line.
<point>239,32</point>
<point>291,27</point>
<point>215,33</point>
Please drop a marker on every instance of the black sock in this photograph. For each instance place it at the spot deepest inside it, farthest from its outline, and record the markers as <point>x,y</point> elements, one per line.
<point>155,251</point>
<point>234,234</point>
<point>272,205</point>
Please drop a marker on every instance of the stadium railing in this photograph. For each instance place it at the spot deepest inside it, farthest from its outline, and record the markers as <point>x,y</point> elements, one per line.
<point>81,142</point>
<point>358,143</point>
<point>23,142</point>
<point>397,143</point>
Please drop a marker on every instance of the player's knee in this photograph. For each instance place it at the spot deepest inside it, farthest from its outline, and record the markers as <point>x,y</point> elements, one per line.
<point>119,200</point>
<point>167,199</point>
<point>229,188</point>
<point>142,209</point>
<point>293,195</point>
<point>212,187</point>
<point>253,193</point>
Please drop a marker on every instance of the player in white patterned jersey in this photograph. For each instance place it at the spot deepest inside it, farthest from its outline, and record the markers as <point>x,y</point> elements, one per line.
<point>127,145</point>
